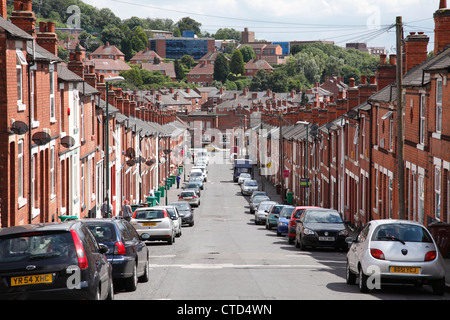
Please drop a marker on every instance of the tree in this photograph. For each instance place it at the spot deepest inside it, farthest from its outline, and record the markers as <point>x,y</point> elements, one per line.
<point>187,60</point>
<point>247,53</point>
<point>112,34</point>
<point>260,81</point>
<point>179,70</point>
<point>228,34</point>
<point>221,68</point>
<point>188,24</point>
<point>237,65</point>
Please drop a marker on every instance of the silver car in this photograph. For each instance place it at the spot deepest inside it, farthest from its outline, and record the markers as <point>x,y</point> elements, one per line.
<point>156,222</point>
<point>190,196</point>
<point>254,202</point>
<point>262,211</point>
<point>249,186</point>
<point>176,218</point>
<point>243,177</point>
<point>388,251</point>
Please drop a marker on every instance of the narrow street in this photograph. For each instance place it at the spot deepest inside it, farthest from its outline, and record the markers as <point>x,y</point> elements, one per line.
<point>225,256</point>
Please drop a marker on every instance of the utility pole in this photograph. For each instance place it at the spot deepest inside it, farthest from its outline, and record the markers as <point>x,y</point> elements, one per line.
<point>400,131</point>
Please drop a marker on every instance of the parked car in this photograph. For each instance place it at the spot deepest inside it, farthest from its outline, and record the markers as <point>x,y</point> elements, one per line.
<point>156,222</point>
<point>400,250</point>
<point>190,196</point>
<point>296,214</point>
<point>175,216</point>
<point>127,252</point>
<point>198,180</point>
<point>204,171</point>
<point>53,261</point>
<point>258,193</point>
<point>196,173</point>
<point>243,176</point>
<point>249,186</point>
<point>255,202</point>
<point>194,185</point>
<point>283,220</point>
<point>273,215</point>
<point>185,211</point>
<point>321,228</point>
<point>203,155</point>
<point>262,211</point>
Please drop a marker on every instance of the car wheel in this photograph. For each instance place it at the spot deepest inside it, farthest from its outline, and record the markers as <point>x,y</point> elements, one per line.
<point>363,281</point>
<point>131,282</point>
<point>145,277</point>
<point>111,290</point>
<point>297,244</point>
<point>291,240</point>
<point>439,287</point>
<point>350,277</point>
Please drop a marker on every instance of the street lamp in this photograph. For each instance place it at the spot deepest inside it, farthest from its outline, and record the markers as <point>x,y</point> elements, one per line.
<point>306,123</point>
<point>107,80</point>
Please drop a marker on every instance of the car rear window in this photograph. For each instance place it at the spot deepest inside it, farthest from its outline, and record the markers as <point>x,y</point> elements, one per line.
<point>37,246</point>
<point>251,183</point>
<point>151,214</point>
<point>187,194</point>
<point>402,232</point>
<point>103,232</point>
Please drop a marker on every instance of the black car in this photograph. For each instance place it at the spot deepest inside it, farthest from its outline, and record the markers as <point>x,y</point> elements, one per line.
<point>127,252</point>
<point>320,228</point>
<point>53,261</point>
<point>185,211</point>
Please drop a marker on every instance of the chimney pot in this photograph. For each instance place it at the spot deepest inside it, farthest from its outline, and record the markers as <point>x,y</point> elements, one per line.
<point>383,59</point>
<point>393,59</point>
<point>443,4</point>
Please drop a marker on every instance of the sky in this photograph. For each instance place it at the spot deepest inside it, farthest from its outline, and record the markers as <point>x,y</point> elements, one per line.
<point>340,21</point>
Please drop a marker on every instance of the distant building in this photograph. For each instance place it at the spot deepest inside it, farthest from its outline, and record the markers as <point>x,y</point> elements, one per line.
<point>145,56</point>
<point>166,69</point>
<point>175,48</point>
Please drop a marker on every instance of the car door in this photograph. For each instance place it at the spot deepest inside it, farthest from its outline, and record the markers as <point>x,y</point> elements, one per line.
<point>358,247</point>
<point>138,246</point>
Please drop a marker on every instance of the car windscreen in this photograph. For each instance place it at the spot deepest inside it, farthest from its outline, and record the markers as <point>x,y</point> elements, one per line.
<point>196,174</point>
<point>171,212</point>
<point>276,209</point>
<point>251,183</point>
<point>150,214</point>
<point>260,199</point>
<point>182,206</point>
<point>312,216</point>
<point>192,185</point>
<point>265,206</point>
<point>37,246</point>
<point>103,232</point>
<point>401,232</point>
<point>286,212</point>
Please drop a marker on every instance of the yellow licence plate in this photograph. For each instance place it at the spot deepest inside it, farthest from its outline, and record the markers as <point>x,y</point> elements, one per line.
<point>149,224</point>
<point>412,270</point>
<point>34,279</point>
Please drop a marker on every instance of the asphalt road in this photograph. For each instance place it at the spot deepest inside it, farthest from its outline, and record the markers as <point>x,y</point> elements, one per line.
<point>225,256</point>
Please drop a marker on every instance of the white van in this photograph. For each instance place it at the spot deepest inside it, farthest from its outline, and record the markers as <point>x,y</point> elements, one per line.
<point>196,173</point>
<point>203,154</point>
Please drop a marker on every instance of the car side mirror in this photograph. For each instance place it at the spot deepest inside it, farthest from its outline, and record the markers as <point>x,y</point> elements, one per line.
<point>103,249</point>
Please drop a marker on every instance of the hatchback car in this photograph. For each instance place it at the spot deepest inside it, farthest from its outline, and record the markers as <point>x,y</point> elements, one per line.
<point>197,180</point>
<point>177,221</point>
<point>263,211</point>
<point>399,251</point>
<point>156,222</point>
<point>189,196</point>
<point>242,177</point>
<point>127,251</point>
<point>249,186</point>
<point>296,214</point>
<point>321,228</point>
<point>53,261</point>
<point>193,186</point>
<point>256,201</point>
<point>283,220</point>
<point>258,193</point>
<point>204,171</point>
<point>185,211</point>
<point>273,215</point>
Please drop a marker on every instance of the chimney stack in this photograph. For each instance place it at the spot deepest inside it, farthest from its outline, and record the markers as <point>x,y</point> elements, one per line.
<point>3,9</point>
<point>24,17</point>
<point>441,27</point>
<point>415,50</point>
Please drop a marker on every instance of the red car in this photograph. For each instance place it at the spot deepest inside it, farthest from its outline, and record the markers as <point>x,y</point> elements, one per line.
<point>296,214</point>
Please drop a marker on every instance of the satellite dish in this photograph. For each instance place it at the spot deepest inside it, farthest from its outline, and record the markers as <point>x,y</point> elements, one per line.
<point>131,153</point>
<point>68,142</point>
<point>41,138</point>
<point>150,162</point>
<point>19,127</point>
<point>131,162</point>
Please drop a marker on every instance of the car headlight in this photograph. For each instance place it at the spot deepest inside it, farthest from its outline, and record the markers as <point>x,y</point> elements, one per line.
<point>307,231</point>
<point>343,232</point>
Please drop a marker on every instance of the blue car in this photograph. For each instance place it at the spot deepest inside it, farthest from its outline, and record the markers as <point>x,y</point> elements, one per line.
<point>273,215</point>
<point>127,252</point>
<point>283,220</point>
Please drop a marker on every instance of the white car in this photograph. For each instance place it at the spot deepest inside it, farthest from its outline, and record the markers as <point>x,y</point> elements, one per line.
<point>156,222</point>
<point>262,211</point>
<point>204,171</point>
<point>243,176</point>
<point>203,155</point>
<point>176,218</point>
<point>195,173</point>
<point>388,251</point>
<point>249,186</point>
<point>190,196</point>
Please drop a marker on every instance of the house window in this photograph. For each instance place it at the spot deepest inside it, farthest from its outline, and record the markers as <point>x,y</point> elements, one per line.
<point>20,171</point>
<point>52,172</point>
<point>19,82</point>
<point>421,197</point>
<point>391,133</point>
<point>439,106</point>
<point>82,184</point>
<point>82,119</point>
<point>32,86</point>
<point>33,181</point>
<point>52,94</point>
<point>437,193</point>
<point>422,119</point>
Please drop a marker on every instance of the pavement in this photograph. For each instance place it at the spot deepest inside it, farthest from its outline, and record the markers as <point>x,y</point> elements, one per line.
<point>272,193</point>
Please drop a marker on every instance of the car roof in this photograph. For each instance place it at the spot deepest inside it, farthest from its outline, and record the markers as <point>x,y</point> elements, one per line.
<point>394,221</point>
<point>49,226</point>
<point>268,202</point>
<point>308,207</point>
<point>150,208</point>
